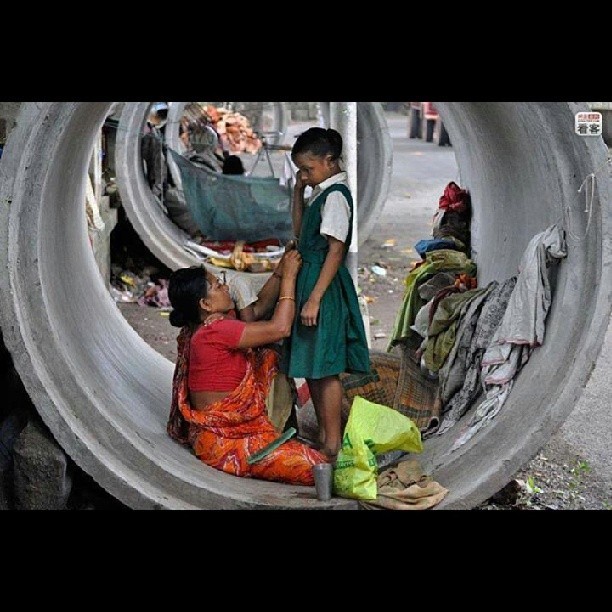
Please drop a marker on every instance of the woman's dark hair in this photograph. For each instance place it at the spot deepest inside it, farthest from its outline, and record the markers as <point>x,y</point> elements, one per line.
<point>186,286</point>
<point>319,142</point>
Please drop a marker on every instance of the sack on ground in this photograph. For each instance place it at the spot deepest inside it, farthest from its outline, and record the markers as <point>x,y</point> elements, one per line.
<point>371,429</point>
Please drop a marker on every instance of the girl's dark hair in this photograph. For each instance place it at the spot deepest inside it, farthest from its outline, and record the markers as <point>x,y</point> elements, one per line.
<point>186,286</point>
<point>319,142</point>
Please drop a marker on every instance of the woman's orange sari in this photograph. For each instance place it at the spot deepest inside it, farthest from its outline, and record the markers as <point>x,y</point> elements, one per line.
<point>229,431</point>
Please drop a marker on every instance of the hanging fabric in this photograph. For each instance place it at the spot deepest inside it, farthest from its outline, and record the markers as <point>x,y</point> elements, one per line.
<point>234,207</point>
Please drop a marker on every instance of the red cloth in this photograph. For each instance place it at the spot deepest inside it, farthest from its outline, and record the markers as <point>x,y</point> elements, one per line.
<point>217,364</point>
<point>454,198</point>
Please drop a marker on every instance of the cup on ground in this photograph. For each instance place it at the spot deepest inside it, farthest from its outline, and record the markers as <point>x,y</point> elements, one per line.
<point>323,474</point>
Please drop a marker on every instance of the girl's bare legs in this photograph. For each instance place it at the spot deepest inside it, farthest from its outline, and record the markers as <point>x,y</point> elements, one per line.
<point>315,396</point>
<point>326,394</point>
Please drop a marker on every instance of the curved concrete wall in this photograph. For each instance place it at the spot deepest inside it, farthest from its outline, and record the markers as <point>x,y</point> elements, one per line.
<point>105,394</point>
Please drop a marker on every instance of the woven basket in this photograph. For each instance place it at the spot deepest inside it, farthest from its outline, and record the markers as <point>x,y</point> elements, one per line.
<point>394,380</point>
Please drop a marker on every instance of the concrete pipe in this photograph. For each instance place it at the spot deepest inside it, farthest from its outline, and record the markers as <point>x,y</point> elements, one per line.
<point>165,239</point>
<point>105,394</point>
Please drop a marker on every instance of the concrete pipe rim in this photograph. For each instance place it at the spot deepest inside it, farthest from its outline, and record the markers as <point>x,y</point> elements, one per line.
<point>105,394</point>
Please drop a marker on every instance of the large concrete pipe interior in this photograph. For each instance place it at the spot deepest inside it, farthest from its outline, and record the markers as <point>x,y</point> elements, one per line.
<point>105,394</point>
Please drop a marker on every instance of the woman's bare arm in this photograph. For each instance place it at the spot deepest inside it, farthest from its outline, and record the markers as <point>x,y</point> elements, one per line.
<point>259,333</point>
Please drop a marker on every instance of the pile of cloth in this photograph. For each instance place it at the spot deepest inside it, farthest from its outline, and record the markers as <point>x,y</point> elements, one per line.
<point>471,340</point>
<point>405,487</point>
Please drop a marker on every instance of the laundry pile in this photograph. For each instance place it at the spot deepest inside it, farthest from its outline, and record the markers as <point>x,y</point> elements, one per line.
<point>473,341</point>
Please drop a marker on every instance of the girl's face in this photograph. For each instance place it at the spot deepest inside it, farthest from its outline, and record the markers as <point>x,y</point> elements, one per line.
<point>313,169</point>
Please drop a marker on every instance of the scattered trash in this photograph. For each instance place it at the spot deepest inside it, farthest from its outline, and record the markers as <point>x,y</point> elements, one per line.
<point>156,295</point>
<point>146,288</point>
<point>387,244</point>
<point>378,270</point>
<point>378,335</point>
<point>129,278</point>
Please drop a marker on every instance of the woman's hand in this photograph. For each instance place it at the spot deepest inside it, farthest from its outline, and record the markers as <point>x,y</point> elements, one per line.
<point>290,263</point>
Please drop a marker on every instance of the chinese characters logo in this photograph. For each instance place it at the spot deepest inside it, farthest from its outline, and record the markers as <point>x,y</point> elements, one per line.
<point>588,124</point>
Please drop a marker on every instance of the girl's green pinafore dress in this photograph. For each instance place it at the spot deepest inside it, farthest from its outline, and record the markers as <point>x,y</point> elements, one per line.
<point>337,343</point>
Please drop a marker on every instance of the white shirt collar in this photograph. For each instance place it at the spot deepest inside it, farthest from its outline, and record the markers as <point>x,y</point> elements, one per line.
<point>340,177</point>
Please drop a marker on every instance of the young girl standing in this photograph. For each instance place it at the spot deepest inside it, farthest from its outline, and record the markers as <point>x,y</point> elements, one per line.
<point>328,335</point>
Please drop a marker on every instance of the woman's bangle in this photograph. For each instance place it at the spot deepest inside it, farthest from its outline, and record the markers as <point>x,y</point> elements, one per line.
<point>286,297</point>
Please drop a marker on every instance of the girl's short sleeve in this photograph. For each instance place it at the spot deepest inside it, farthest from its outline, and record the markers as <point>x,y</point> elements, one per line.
<point>335,216</point>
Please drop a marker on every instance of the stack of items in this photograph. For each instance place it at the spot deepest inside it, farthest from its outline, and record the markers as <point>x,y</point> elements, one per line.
<point>261,256</point>
<point>235,132</point>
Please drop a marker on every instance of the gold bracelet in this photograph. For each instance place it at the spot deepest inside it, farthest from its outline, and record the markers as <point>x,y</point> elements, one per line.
<point>286,297</point>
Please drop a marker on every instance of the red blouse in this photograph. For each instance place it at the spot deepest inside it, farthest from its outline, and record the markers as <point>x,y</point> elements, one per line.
<point>215,362</point>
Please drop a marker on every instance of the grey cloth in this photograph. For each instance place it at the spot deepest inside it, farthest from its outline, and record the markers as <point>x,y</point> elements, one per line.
<point>176,206</point>
<point>521,329</point>
<point>460,384</point>
<point>524,319</point>
<point>453,373</point>
<point>441,280</point>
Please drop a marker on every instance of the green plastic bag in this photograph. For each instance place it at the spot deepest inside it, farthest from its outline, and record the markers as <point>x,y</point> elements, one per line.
<point>370,429</point>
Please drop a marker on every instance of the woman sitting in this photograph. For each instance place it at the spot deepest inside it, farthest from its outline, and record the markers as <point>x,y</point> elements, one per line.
<point>224,370</point>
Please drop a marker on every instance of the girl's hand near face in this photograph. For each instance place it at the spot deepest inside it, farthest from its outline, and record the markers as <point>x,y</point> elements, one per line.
<point>300,185</point>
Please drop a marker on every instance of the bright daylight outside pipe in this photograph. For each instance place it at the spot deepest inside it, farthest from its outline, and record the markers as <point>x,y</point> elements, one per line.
<point>105,394</point>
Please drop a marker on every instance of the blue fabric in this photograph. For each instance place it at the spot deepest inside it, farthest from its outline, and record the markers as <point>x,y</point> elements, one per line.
<point>235,207</point>
<point>433,244</point>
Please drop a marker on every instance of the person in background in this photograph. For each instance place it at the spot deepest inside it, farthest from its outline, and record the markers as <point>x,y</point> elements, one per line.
<point>328,335</point>
<point>152,149</point>
<point>202,146</point>
<point>223,374</point>
<point>232,164</point>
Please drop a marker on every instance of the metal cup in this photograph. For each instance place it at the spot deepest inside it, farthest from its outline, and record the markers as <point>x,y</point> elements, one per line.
<point>323,474</point>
